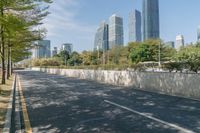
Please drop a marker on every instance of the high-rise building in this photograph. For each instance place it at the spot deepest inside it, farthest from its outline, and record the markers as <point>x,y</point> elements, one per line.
<point>170,44</point>
<point>54,51</point>
<point>116,33</point>
<point>41,49</point>
<point>198,34</point>
<point>101,37</point>
<point>135,26</point>
<point>179,42</point>
<point>67,47</point>
<point>150,20</point>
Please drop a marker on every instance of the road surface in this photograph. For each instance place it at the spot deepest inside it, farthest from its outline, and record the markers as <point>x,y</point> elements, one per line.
<point>58,104</point>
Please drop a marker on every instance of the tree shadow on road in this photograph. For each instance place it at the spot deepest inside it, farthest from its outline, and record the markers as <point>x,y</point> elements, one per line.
<point>60,104</point>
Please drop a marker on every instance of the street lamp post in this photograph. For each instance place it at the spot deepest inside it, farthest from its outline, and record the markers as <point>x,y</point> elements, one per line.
<point>65,59</point>
<point>159,55</point>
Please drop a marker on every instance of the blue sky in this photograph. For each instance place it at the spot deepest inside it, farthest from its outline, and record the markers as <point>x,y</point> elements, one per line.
<point>76,21</point>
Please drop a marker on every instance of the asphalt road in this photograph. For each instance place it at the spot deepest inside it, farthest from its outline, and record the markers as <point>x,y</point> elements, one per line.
<point>58,104</point>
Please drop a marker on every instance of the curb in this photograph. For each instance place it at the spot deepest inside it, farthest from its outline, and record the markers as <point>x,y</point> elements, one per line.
<point>10,111</point>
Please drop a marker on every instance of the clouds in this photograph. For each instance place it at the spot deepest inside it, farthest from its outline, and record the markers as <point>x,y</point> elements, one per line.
<point>63,26</point>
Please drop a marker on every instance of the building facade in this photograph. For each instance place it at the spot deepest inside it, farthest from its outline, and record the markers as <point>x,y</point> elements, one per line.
<point>198,33</point>
<point>116,32</point>
<point>134,26</point>
<point>179,42</point>
<point>41,49</point>
<point>68,47</point>
<point>54,51</point>
<point>101,38</point>
<point>151,29</point>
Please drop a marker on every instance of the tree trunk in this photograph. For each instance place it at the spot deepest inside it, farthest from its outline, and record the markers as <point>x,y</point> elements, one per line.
<point>11,67</point>
<point>8,61</point>
<point>3,78</point>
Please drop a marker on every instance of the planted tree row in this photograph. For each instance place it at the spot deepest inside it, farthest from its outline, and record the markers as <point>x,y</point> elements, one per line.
<point>18,19</point>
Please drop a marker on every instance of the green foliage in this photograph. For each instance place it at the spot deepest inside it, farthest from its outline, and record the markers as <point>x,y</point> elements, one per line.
<point>141,53</point>
<point>74,60</point>
<point>174,66</point>
<point>136,56</point>
<point>17,19</point>
<point>64,56</point>
<point>190,56</point>
<point>46,62</point>
<point>90,58</point>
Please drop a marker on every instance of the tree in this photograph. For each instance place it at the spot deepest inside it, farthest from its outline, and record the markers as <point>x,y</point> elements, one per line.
<point>29,13</point>
<point>189,57</point>
<point>75,59</point>
<point>141,53</point>
<point>87,57</point>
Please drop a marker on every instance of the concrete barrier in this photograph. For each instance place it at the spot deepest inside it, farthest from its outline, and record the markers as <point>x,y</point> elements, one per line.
<point>179,84</point>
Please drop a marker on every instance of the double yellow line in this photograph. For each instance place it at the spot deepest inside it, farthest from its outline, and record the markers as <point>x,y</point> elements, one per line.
<point>27,124</point>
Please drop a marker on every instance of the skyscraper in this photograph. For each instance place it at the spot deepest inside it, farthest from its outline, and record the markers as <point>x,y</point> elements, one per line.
<point>116,33</point>
<point>135,26</point>
<point>101,37</point>
<point>150,20</point>
<point>67,47</point>
<point>41,49</point>
<point>179,42</point>
<point>198,34</point>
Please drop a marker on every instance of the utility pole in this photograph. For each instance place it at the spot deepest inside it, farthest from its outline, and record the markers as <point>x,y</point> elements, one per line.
<point>65,59</point>
<point>159,55</point>
<point>104,57</point>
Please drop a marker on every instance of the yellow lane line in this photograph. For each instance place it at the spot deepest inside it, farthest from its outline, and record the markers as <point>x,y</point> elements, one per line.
<point>27,124</point>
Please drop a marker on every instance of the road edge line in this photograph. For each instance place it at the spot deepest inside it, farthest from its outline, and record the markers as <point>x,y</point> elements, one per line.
<point>18,124</point>
<point>27,124</point>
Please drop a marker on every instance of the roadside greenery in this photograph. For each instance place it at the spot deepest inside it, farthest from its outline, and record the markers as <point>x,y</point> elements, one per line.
<point>17,21</point>
<point>187,59</point>
<point>135,56</point>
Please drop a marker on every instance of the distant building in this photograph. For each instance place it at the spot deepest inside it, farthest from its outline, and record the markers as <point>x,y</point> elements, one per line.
<point>41,49</point>
<point>179,42</point>
<point>101,37</point>
<point>150,20</point>
<point>116,33</point>
<point>54,51</point>
<point>68,47</point>
<point>170,44</point>
<point>198,33</point>
<point>134,27</point>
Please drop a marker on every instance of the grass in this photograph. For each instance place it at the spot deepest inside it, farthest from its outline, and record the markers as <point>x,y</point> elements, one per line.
<point>5,91</point>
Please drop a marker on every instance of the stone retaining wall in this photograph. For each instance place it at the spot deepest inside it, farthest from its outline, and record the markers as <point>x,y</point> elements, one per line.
<point>185,85</point>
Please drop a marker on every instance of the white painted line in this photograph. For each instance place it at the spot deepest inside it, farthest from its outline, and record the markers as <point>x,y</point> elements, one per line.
<point>17,112</point>
<point>150,117</point>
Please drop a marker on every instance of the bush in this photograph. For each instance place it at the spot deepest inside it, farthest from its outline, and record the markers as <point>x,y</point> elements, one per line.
<point>46,62</point>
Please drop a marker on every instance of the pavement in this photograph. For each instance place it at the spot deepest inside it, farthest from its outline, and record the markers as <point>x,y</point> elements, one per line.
<point>58,104</point>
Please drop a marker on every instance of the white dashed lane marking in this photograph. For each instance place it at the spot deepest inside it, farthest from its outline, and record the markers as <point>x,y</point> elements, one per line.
<point>184,130</point>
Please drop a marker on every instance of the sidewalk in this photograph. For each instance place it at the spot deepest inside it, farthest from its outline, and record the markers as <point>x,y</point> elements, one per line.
<point>5,91</point>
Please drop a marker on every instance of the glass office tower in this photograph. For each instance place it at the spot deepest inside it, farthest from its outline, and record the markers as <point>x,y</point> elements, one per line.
<point>41,49</point>
<point>116,33</point>
<point>151,19</point>
<point>67,47</point>
<point>179,42</point>
<point>101,37</point>
<point>134,26</point>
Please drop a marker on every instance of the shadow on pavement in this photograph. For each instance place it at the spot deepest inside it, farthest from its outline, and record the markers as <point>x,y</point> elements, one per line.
<point>60,104</point>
